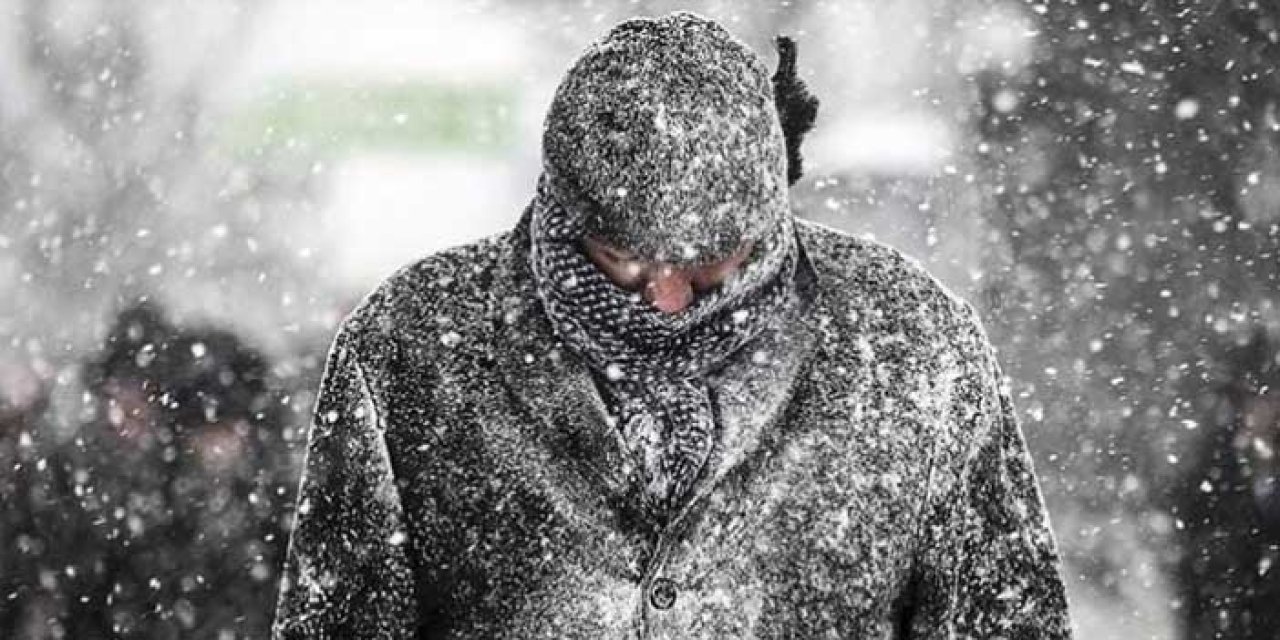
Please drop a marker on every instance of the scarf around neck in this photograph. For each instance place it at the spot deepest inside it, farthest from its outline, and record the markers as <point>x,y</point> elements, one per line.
<point>652,366</point>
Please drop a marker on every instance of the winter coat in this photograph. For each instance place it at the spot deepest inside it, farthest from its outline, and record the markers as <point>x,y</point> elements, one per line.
<point>461,471</point>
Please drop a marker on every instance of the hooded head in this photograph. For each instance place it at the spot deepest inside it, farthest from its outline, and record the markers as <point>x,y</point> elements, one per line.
<point>664,140</point>
<point>672,161</point>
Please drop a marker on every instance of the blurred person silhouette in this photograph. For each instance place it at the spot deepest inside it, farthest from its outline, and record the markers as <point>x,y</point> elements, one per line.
<point>663,407</point>
<point>24,399</point>
<point>163,514</point>
<point>1229,504</point>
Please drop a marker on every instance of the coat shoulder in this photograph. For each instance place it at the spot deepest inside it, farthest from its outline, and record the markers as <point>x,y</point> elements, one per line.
<point>858,273</point>
<point>884,307</point>
<point>440,294</point>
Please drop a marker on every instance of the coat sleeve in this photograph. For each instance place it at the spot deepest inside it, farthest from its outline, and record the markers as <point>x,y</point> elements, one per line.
<point>347,572</point>
<point>989,565</point>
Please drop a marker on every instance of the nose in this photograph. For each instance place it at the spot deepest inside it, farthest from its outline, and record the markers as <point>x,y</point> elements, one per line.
<point>670,290</point>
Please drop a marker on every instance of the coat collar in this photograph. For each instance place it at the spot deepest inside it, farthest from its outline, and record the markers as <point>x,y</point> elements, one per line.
<point>572,423</point>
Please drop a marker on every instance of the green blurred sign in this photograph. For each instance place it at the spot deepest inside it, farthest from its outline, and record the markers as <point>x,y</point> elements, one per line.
<point>339,118</point>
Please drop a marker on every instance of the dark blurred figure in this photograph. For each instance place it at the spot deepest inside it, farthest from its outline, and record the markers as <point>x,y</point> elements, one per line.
<point>1231,505</point>
<point>162,517</point>
<point>23,401</point>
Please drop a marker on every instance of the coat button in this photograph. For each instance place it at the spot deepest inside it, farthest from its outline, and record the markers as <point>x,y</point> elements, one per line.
<point>662,593</point>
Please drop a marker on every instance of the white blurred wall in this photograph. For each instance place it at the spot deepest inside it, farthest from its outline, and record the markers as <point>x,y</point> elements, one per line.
<point>386,207</point>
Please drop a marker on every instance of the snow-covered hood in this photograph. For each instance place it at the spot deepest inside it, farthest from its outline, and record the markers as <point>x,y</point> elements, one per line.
<point>665,135</point>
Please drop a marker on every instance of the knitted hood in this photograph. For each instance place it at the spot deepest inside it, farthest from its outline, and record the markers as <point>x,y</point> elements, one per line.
<point>665,136</point>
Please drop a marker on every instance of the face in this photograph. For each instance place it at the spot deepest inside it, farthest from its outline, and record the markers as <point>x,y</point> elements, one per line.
<point>1261,432</point>
<point>668,287</point>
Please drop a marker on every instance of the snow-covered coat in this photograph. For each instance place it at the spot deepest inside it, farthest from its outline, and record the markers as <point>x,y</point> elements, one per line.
<point>461,470</point>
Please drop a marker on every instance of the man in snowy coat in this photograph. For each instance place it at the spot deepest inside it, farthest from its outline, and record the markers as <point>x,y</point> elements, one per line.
<point>661,407</point>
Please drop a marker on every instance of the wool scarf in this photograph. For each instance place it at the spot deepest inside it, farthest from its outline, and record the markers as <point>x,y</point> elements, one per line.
<point>652,366</point>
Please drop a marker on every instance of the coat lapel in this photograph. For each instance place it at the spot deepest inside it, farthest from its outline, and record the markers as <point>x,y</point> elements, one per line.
<point>568,420</point>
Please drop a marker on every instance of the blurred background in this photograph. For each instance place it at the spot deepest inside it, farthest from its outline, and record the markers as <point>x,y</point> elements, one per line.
<point>194,193</point>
